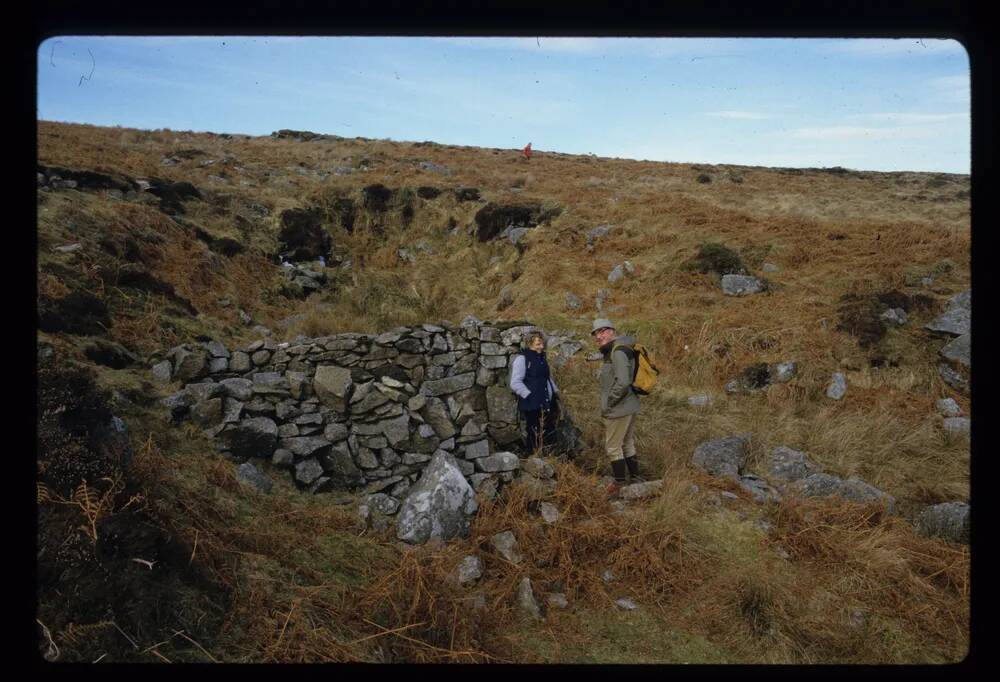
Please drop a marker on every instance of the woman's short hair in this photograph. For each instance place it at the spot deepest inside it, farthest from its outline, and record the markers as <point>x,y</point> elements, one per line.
<point>530,337</point>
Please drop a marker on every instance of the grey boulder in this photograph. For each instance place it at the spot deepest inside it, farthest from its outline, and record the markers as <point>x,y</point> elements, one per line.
<point>250,475</point>
<point>439,505</point>
<point>957,319</point>
<point>723,457</point>
<point>790,465</point>
<point>255,437</point>
<point>741,285</point>
<point>949,521</point>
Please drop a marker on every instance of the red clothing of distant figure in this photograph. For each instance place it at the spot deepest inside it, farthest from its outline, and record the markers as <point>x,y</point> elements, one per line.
<point>527,151</point>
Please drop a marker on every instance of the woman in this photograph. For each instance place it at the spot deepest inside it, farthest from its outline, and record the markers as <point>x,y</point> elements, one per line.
<point>531,380</point>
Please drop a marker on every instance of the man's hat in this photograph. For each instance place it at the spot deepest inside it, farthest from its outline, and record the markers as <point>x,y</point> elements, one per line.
<point>600,323</point>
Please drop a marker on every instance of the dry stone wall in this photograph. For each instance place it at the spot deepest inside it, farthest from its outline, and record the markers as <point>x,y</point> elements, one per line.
<point>362,411</point>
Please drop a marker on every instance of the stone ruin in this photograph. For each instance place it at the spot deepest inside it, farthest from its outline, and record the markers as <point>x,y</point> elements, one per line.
<point>364,412</point>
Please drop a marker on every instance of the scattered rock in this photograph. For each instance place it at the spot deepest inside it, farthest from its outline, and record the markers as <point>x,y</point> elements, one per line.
<point>526,600</point>
<point>894,316</point>
<point>957,318</point>
<point>837,387</point>
<point>953,378</point>
<point>960,426</point>
<point>506,544</point>
<point>700,400</point>
<point>948,407</point>
<point>948,520</point>
<point>638,491</point>
<point>742,285</point>
<point>549,512</point>
<point>470,570</point>
<point>626,604</point>
<point>557,600</point>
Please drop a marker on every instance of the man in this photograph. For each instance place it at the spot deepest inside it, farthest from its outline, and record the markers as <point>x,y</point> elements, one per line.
<point>619,403</point>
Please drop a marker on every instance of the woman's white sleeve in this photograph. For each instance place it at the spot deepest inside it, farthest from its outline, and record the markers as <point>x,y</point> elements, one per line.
<point>517,378</point>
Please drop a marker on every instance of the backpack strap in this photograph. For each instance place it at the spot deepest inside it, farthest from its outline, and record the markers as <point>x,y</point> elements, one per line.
<point>631,355</point>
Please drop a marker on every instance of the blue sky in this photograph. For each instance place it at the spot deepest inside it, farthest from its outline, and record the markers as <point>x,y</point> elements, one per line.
<point>868,104</point>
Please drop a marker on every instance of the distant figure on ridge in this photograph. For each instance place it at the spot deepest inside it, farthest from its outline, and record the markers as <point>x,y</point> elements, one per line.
<point>527,151</point>
<point>537,394</point>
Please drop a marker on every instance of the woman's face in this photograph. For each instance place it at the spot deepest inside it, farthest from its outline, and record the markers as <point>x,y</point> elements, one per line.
<point>537,344</point>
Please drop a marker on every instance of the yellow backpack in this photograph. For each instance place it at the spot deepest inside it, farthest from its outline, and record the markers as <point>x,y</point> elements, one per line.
<point>644,371</point>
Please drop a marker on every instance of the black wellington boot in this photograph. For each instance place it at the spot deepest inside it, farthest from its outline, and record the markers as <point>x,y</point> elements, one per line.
<point>618,469</point>
<point>633,469</point>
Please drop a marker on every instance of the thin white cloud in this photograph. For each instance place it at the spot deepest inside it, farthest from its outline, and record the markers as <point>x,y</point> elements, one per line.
<point>739,115</point>
<point>861,133</point>
<point>910,118</point>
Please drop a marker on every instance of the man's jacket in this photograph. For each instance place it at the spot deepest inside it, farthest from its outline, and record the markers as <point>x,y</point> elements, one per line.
<point>617,397</point>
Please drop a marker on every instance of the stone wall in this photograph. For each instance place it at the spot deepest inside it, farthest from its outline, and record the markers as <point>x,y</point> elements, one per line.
<point>361,411</point>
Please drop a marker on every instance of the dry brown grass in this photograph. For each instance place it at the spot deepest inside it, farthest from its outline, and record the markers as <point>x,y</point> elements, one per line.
<point>699,567</point>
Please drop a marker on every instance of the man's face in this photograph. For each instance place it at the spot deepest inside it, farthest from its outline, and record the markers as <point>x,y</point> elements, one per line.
<point>603,335</point>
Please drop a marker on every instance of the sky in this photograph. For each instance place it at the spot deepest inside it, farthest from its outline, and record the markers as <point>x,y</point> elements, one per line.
<point>865,104</point>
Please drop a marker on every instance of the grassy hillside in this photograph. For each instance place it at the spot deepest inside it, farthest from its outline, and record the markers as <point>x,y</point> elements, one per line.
<point>289,577</point>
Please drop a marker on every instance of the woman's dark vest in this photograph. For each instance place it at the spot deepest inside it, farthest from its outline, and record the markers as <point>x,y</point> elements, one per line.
<point>536,378</point>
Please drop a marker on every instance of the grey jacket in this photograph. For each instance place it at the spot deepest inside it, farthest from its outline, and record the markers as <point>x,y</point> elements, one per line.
<point>617,397</point>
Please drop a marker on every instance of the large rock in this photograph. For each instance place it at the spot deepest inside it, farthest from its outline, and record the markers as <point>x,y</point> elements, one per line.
<point>439,505</point>
<point>949,520</point>
<point>250,475</point>
<point>207,413</point>
<point>723,457</point>
<point>498,461</point>
<point>957,319</point>
<point>638,491</point>
<point>240,389</point>
<point>396,430</point>
<point>853,489</point>
<point>741,285</point>
<point>452,384</point>
<point>307,471</point>
<point>204,391</point>
<point>189,364</point>
<point>790,465</point>
<point>340,467</point>
<point>304,446</point>
<point>255,437</point>
<point>332,386</point>
<point>435,413</point>
<point>501,404</point>
<point>959,350</point>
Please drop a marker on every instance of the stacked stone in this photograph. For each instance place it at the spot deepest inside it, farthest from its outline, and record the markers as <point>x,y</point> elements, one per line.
<point>359,411</point>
